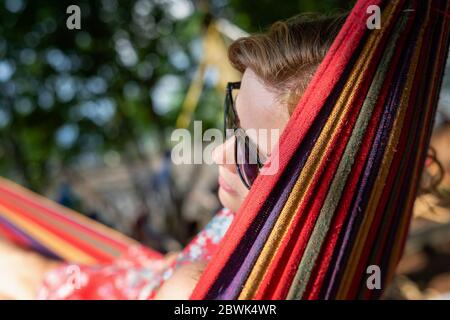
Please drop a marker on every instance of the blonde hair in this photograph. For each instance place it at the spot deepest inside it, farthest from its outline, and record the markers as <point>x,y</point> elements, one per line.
<point>286,57</point>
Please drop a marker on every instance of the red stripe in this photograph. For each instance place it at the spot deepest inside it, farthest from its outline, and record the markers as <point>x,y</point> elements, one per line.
<point>329,166</point>
<point>324,80</point>
<point>73,240</point>
<point>33,201</point>
<point>13,236</point>
<point>323,265</point>
<point>293,246</point>
<point>421,154</point>
<point>284,265</point>
<point>387,191</point>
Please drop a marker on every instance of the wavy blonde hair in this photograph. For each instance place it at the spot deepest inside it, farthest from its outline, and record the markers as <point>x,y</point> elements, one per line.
<point>286,57</point>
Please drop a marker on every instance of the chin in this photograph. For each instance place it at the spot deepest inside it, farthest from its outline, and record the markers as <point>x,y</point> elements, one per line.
<point>232,202</point>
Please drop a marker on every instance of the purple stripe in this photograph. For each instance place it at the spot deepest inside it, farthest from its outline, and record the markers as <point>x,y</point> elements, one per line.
<point>369,176</point>
<point>239,278</point>
<point>412,148</point>
<point>33,243</point>
<point>416,148</point>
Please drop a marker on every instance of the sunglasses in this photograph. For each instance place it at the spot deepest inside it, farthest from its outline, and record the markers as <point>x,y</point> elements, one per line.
<point>246,154</point>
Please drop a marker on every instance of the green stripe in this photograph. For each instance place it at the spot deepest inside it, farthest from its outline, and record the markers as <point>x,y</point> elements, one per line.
<point>319,233</point>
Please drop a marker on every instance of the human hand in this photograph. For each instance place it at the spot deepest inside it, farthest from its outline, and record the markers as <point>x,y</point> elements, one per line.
<point>183,281</point>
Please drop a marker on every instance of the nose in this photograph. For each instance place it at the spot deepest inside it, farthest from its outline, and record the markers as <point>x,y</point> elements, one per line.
<point>223,155</point>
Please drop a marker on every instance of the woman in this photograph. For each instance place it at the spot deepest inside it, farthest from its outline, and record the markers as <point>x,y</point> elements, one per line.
<point>277,67</point>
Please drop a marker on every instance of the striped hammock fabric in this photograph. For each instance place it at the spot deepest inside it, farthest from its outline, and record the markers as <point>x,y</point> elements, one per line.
<point>350,161</point>
<point>35,222</point>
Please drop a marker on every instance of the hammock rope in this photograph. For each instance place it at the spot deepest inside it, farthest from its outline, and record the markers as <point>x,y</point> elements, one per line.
<point>56,231</point>
<point>350,160</point>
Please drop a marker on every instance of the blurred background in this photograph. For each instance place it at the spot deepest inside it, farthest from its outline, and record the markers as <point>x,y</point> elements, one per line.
<point>86,117</point>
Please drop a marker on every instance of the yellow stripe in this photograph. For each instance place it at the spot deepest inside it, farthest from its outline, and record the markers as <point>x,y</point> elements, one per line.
<point>364,229</point>
<point>396,251</point>
<point>68,228</point>
<point>296,197</point>
<point>71,214</point>
<point>54,243</point>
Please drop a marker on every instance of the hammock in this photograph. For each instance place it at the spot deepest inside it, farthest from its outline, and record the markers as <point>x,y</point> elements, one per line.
<point>32,221</point>
<point>350,160</point>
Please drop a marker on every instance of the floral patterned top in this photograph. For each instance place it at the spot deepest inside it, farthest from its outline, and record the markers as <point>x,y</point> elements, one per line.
<point>136,274</point>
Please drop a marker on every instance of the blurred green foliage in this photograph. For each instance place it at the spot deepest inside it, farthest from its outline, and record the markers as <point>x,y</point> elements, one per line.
<point>257,15</point>
<point>113,89</point>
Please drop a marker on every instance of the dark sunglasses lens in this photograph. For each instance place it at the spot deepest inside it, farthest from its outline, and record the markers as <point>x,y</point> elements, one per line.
<point>246,161</point>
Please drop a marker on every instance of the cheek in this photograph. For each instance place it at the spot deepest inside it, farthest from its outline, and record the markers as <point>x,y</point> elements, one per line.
<point>266,128</point>
<point>243,191</point>
<point>233,202</point>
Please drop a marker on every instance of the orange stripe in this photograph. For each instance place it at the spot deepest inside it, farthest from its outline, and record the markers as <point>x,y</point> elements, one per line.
<point>59,246</point>
<point>66,215</point>
<point>91,246</point>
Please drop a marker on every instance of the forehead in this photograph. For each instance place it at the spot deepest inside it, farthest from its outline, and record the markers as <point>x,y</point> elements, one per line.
<point>257,105</point>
